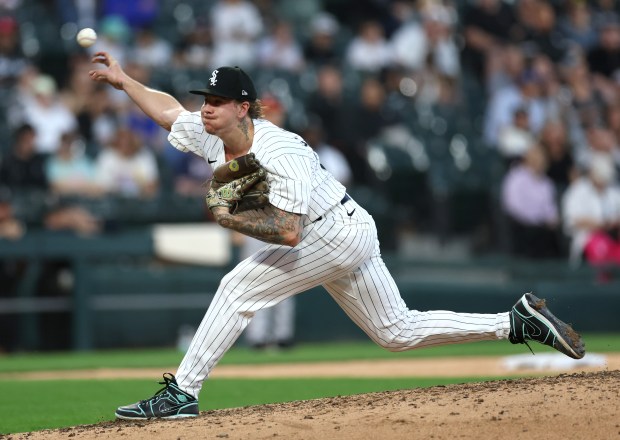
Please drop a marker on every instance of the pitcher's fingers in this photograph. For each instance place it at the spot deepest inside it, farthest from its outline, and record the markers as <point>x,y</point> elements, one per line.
<point>101,58</point>
<point>97,75</point>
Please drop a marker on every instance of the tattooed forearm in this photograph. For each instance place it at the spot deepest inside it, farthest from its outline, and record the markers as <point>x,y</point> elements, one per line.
<point>280,228</point>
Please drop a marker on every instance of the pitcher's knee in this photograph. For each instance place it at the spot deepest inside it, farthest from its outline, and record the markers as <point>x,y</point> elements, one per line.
<point>394,343</point>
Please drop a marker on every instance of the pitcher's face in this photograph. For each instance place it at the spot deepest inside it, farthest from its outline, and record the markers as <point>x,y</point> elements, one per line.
<point>218,114</point>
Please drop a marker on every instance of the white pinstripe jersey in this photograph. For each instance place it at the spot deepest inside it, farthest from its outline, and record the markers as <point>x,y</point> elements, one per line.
<point>297,182</point>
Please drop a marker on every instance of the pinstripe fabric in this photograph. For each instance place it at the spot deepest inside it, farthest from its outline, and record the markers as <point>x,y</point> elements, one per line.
<point>297,182</point>
<point>339,250</point>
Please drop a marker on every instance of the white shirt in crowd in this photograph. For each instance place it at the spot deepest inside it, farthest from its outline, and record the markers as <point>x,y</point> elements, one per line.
<point>235,27</point>
<point>583,200</point>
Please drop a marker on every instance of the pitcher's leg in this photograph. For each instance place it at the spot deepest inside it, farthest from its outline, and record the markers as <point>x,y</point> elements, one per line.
<point>371,298</point>
<point>249,287</point>
<point>262,281</point>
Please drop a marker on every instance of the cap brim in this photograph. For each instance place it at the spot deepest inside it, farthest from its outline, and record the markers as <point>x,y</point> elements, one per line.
<point>207,91</point>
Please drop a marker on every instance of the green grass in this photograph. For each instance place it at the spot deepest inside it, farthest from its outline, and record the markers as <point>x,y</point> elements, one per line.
<point>162,358</point>
<point>34,405</point>
<point>31,406</point>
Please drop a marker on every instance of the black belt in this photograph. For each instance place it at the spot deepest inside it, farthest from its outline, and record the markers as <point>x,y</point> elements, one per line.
<point>344,200</point>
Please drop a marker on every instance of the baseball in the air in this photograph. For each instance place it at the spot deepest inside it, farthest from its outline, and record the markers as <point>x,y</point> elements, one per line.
<point>86,37</point>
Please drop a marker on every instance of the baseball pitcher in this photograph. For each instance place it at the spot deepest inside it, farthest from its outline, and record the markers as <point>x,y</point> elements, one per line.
<point>268,184</point>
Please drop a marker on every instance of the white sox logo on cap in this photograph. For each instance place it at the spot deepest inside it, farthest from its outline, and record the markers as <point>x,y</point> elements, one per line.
<point>213,79</point>
<point>229,82</point>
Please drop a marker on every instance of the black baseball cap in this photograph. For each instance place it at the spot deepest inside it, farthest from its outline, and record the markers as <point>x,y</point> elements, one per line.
<point>229,82</point>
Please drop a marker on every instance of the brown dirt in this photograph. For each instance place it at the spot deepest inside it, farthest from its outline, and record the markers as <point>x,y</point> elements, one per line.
<point>567,406</point>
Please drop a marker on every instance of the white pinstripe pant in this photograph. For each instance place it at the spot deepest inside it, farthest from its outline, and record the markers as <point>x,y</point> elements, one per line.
<point>340,252</point>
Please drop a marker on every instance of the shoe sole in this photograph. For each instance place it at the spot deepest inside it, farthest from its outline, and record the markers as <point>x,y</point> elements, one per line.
<point>178,416</point>
<point>563,333</point>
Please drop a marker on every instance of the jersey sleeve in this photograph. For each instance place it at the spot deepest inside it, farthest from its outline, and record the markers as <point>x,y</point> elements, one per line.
<point>186,132</point>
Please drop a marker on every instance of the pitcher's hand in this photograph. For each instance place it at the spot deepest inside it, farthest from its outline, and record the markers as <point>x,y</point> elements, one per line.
<point>113,75</point>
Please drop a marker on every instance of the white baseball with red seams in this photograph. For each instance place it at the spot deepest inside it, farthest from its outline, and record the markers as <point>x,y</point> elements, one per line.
<point>339,250</point>
<point>86,37</point>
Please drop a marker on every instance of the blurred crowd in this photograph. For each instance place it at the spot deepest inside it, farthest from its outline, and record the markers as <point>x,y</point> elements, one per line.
<point>535,83</point>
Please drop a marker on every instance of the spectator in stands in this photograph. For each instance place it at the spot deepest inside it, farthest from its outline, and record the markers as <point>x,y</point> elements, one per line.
<point>392,78</point>
<point>275,111</point>
<point>369,51</point>
<point>114,34</point>
<point>577,25</point>
<point>434,41</point>
<point>77,94</point>
<point>488,26</point>
<point>561,165</point>
<point>515,138</point>
<point>331,158</point>
<point>69,171</point>
<point>23,168</point>
<point>297,13</point>
<point>397,13</point>
<point>77,13</point>
<point>603,10</point>
<point>504,68</point>
<point>591,214</point>
<point>149,50</point>
<point>49,116</point>
<point>604,58</point>
<point>328,103</point>
<point>502,105</point>
<point>127,167</point>
<point>195,48</point>
<point>586,100</point>
<point>190,174</point>
<point>369,118</point>
<point>541,34</point>
<point>600,140</point>
<point>236,25</point>
<point>528,198</point>
<point>280,50</point>
<point>97,120</point>
<point>556,105</point>
<point>12,60</point>
<point>320,48</point>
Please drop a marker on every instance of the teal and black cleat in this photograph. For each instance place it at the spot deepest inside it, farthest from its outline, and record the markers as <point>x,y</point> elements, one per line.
<point>170,402</point>
<point>531,320</point>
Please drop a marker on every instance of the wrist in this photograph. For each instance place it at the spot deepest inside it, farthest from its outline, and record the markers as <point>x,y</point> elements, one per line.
<point>223,217</point>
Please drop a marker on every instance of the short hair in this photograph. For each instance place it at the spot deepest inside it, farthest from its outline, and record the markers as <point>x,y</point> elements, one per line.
<point>23,129</point>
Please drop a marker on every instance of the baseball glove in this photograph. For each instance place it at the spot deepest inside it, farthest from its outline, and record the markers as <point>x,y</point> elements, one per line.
<point>240,185</point>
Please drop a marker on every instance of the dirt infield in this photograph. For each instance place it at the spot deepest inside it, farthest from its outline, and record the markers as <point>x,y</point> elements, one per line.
<point>575,406</point>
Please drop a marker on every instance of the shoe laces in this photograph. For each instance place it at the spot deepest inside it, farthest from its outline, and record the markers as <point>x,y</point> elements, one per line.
<point>524,336</point>
<point>168,379</point>
<point>528,346</point>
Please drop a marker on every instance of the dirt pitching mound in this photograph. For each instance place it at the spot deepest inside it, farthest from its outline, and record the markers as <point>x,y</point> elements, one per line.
<point>582,405</point>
